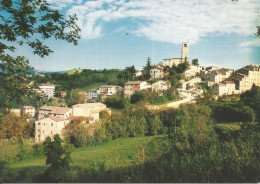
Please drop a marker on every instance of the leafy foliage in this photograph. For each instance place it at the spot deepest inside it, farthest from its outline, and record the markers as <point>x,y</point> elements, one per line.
<point>26,22</point>
<point>58,159</point>
<point>15,126</point>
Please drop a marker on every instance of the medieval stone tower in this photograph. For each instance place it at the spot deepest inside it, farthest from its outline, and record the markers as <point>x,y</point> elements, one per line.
<point>184,51</point>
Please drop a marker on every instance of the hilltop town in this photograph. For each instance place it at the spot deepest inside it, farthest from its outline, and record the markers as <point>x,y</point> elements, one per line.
<point>189,82</point>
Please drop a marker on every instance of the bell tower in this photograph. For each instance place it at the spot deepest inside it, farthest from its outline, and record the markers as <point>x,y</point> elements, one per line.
<point>184,51</point>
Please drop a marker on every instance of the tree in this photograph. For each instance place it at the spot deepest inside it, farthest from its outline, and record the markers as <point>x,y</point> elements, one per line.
<point>15,126</point>
<point>26,22</point>
<point>58,159</point>
<point>195,62</point>
<point>146,70</point>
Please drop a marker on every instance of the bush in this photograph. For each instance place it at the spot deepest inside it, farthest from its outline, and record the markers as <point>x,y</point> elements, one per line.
<point>9,150</point>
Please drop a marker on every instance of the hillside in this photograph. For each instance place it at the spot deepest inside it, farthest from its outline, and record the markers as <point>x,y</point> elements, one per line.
<point>114,154</point>
<point>73,71</point>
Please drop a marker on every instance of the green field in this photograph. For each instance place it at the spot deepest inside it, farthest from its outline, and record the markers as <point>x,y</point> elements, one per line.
<point>71,72</point>
<point>117,153</point>
<point>231,126</point>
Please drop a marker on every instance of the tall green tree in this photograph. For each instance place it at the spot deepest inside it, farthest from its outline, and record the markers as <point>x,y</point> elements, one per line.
<point>146,69</point>
<point>27,22</point>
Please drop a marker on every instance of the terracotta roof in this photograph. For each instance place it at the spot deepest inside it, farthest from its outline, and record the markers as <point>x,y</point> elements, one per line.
<point>47,84</point>
<point>28,107</point>
<point>90,105</point>
<point>56,110</point>
<point>56,118</point>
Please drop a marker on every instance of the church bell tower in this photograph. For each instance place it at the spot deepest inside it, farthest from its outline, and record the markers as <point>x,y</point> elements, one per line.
<point>184,51</point>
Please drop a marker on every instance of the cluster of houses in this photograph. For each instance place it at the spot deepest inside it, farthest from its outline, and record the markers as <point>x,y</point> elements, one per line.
<point>222,81</point>
<point>51,120</point>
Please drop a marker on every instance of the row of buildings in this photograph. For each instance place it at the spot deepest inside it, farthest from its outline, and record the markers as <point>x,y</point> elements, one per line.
<point>52,120</point>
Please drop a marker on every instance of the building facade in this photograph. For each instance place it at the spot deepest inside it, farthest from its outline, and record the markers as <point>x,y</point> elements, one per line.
<point>160,86</point>
<point>49,127</point>
<point>246,77</point>
<point>131,86</point>
<point>157,72</point>
<point>47,111</point>
<point>48,89</point>
<point>30,110</point>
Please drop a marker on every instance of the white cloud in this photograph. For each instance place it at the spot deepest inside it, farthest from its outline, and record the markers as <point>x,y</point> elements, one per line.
<point>167,20</point>
<point>254,43</point>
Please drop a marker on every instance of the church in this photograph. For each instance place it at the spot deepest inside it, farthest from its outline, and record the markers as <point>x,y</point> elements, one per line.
<point>176,61</point>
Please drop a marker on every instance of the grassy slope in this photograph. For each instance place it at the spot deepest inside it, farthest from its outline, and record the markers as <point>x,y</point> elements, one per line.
<point>230,126</point>
<point>71,72</point>
<point>116,153</point>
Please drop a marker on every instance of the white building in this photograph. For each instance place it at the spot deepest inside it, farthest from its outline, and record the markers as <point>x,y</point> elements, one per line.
<point>224,88</point>
<point>246,77</point>
<point>47,111</point>
<point>29,110</point>
<point>131,86</point>
<point>93,94</point>
<point>160,86</point>
<point>49,127</point>
<point>216,76</point>
<point>89,110</point>
<point>193,71</point>
<point>157,72</point>
<point>48,89</point>
<point>109,90</point>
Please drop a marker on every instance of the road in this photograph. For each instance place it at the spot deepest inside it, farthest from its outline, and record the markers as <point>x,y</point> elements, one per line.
<point>188,97</point>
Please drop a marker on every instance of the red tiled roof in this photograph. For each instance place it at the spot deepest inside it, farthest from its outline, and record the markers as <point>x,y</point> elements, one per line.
<point>55,110</point>
<point>28,107</point>
<point>47,84</point>
<point>56,118</point>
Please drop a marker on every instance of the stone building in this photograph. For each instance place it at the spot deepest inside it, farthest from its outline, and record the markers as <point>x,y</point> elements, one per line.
<point>193,70</point>
<point>157,72</point>
<point>49,127</point>
<point>109,90</point>
<point>246,77</point>
<point>46,111</point>
<point>131,86</point>
<point>89,110</point>
<point>176,61</point>
<point>224,88</point>
<point>216,76</point>
<point>160,86</point>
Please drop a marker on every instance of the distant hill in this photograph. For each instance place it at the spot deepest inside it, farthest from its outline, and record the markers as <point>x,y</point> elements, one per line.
<point>71,72</point>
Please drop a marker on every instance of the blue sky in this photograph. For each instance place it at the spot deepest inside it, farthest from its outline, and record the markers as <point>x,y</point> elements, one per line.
<point>120,33</point>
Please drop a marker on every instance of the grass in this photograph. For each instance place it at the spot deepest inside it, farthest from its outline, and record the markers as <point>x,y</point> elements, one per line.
<point>122,152</point>
<point>71,72</point>
<point>231,126</point>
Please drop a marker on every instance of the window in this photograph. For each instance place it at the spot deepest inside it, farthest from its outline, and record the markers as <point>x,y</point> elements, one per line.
<point>185,45</point>
<point>39,123</point>
<point>51,124</point>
